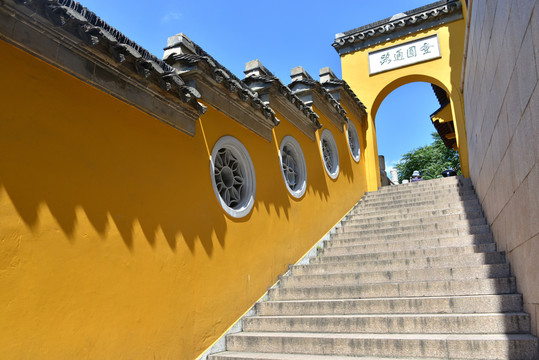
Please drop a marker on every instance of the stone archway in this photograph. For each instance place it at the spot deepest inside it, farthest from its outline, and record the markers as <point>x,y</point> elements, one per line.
<point>362,50</point>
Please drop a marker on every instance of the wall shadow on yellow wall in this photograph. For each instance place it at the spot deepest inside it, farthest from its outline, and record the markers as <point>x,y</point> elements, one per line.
<point>66,145</point>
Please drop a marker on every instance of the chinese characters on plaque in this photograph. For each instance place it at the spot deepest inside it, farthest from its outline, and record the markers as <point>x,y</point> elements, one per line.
<point>406,54</point>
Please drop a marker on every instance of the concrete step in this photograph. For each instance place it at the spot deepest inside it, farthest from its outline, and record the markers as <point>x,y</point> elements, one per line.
<point>427,215</point>
<point>415,234</point>
<point>423,186</point>
<point>356,278</point>
<point>468,206</point>
<point>408,289</point>
<point>412,273</point>
<point>398,305</point>
<point>419,205</point>
<point>275,356</point>
<point>454,191</point>
<point>420,191</point>
<point>493,323</point>
<point>445,182</point>
<point>481,238</point>
<point>234,355</point>
<point>411,199</point>
<point>453,346</point>
<point>426,218</point>
<point>457,182</point>
<point>405,254</point>
<point>404,227</point>
<point>350,247</point>
<point>473,259</point>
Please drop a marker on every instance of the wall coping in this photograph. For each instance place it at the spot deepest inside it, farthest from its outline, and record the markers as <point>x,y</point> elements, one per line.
<point>279,96</point>
<point>419,19</point>
<point>312,93</point>
<point>217,85</point>
<point>341,91</point>
<point>74,39</point>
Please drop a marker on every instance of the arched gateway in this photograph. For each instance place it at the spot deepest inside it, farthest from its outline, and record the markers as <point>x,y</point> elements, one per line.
<point>425,44</point>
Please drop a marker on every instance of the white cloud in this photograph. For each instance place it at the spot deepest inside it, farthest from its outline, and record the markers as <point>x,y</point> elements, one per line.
<point>171,16</point>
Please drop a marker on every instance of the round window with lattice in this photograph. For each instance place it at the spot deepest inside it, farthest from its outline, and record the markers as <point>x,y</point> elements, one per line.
<point>353,141</point>
<point>233,176</point>
<point>293,166</point>
<point>330,154</point>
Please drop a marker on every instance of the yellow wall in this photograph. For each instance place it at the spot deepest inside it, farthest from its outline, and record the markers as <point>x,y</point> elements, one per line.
<point>444,115</point>
<point>444,72</point>
<point>112,243</point>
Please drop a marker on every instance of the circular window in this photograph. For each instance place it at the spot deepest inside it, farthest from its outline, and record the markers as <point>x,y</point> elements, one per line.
<point>233,176</point>
<point>353,141</point>
<point>293,166</point>
<point>329,153</point>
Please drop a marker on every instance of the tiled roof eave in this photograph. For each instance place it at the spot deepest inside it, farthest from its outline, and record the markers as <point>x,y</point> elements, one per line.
<point>343,85</point>
<point>300,105</point>
<point>315,86</point>
<point>109,43</point>
<point>208,66</point>
<point>272,85</point>
<point>436,13</point>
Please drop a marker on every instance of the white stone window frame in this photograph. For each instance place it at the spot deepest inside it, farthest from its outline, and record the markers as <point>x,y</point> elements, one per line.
<point>354,145</point>
<point>296,153</point>
<point>247,195</point>
<point>330,153</point>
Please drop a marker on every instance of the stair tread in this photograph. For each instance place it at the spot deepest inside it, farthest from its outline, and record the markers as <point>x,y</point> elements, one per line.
<point>403,336</point>
<point>430,282</point>
<point>386,315</point>
<point>487,237</point>
<point>427,258</point>
<point>452,267</point>
<point>418,249</point>
<point>413,268</point>
<point>283,356</point>
<point>391,298</point>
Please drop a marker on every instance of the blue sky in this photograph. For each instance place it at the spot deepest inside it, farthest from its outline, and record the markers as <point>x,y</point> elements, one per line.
<point>282,34</point>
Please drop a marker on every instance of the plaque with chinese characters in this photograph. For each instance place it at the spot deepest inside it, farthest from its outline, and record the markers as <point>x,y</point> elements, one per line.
<point>405,54</point>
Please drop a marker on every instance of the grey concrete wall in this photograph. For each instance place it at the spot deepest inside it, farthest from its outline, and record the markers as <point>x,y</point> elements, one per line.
<point>502,123</point>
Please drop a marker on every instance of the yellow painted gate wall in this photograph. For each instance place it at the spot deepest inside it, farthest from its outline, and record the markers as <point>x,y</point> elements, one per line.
<point>445,72</point>
<point>112,242</point>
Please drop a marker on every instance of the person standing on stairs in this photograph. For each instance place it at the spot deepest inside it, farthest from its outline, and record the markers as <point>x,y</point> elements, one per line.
<point>416,176</point>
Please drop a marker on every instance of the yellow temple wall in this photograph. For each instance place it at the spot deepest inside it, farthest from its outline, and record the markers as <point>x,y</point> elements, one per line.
<point>112,241</point>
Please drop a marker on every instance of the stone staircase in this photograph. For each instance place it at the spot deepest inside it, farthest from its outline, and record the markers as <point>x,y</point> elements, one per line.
<point>412,273</point>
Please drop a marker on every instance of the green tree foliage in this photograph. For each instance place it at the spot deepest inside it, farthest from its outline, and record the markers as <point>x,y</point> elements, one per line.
<point>430,160</point>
